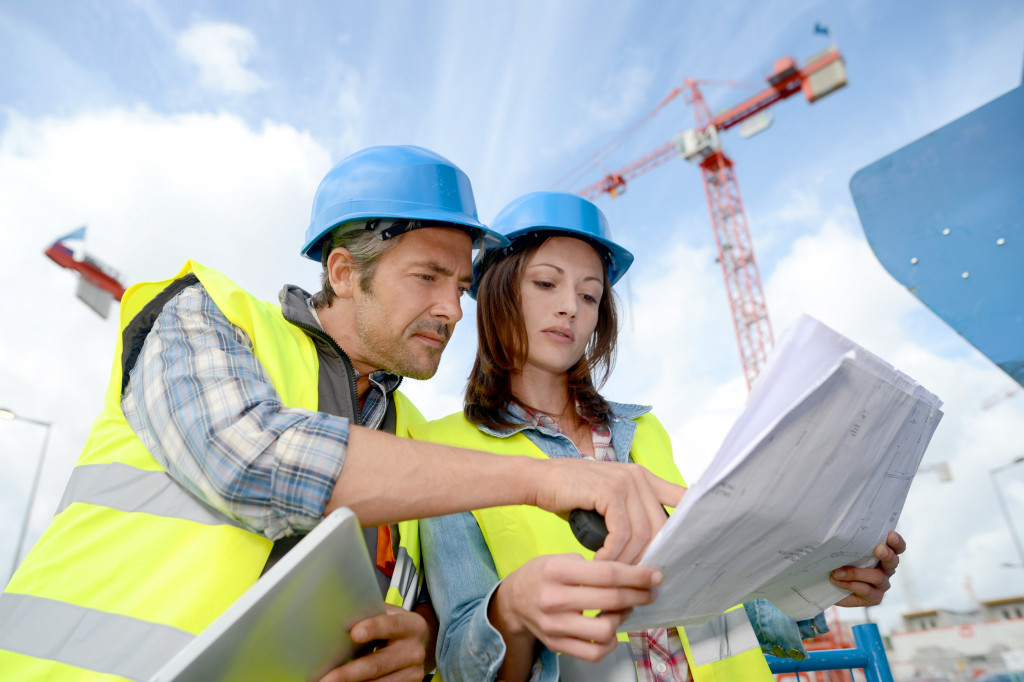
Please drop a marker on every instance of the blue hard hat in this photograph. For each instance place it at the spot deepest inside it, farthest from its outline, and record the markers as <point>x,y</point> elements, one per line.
<point>552,214</point>
<point>395,189</point>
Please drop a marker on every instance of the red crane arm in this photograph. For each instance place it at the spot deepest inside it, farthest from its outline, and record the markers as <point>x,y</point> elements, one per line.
<point>785,81</point>
<point>614,182</point>
<point>90,269</point>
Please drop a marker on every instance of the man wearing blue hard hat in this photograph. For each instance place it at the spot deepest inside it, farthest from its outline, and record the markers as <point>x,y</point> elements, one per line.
<point>231,426</point>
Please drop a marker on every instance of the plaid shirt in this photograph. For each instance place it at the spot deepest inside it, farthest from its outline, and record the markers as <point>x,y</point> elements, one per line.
<point>206,409</point>
<point>658,653</point>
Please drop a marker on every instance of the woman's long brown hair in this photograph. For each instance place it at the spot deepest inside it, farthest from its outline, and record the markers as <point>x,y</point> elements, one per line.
<point>502,347</point>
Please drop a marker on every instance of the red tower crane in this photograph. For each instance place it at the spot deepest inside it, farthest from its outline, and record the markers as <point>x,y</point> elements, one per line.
<point>98,283</point>
<point>821,75</point>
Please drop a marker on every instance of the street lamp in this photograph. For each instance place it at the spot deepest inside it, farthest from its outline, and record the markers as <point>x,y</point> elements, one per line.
<point>1002,505</point>
<point>11,415</point>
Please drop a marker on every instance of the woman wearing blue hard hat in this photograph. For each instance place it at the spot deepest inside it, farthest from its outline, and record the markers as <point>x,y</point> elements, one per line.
<point>506,581</point>
<point>511,584</point>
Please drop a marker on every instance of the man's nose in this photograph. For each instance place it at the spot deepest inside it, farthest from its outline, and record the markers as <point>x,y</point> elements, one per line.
<point>448,307</point>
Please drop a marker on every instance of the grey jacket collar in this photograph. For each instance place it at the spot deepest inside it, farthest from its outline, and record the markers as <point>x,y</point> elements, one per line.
<point>294,306</point>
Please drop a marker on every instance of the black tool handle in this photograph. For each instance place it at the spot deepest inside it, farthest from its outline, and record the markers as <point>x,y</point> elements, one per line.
<point>588,527</point>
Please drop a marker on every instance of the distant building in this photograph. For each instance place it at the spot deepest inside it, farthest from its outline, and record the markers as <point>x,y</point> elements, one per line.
<point>952,644</point>
<point>1002,609</point>
<point>937,618</point>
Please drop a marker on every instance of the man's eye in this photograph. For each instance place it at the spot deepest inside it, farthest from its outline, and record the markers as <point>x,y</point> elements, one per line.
<point>427,278</point>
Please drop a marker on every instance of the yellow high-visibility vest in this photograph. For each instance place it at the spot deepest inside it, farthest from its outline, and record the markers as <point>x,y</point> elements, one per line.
<point>132,565</point>
<point>517,533</point>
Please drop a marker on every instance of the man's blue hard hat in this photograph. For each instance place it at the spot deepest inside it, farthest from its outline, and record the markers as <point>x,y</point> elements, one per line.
<point>395,189</point>
<point>553,214</point>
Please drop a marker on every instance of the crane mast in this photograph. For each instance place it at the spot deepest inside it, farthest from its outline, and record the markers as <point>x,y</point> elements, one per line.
<point>823,74</point>
<point>732,237</point>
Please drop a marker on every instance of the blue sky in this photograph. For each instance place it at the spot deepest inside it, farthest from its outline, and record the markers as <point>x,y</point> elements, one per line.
<point>201,129</point>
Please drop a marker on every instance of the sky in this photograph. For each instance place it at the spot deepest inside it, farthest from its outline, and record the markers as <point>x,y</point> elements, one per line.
<point>201,130</point>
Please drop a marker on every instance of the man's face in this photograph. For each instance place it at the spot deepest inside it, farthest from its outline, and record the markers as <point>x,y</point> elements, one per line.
<point>404,321</point>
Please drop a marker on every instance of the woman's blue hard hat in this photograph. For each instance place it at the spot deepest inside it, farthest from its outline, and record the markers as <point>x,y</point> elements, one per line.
<point>552,214</point>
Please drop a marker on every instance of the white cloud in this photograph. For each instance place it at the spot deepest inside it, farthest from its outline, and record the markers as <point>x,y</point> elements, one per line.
<point>623,99</point>
<point>351,109</point>
<point>154,190</point>
<point>623,94</point>
<point>221,51</point>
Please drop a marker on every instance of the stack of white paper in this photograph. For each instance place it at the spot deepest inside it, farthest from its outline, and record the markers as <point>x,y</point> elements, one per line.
<point>811,477</point>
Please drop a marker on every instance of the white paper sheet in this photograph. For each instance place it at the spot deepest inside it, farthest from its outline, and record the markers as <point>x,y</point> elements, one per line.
<point>812,477</point>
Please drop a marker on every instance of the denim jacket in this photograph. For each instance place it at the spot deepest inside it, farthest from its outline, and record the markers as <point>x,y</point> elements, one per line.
<point>461,577</point>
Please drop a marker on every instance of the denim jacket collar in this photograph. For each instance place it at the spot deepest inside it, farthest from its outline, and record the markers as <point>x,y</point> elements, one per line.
<point>620,411</point>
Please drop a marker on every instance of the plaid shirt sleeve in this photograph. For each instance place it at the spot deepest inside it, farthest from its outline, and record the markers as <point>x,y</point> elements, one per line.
<point>206,409</point>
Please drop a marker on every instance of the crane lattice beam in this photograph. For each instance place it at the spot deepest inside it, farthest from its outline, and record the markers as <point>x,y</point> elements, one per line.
<point>739,267</point>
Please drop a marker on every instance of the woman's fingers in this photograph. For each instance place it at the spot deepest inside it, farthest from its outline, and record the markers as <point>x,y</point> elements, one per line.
<point>548,595</point>
<point>868,585</point>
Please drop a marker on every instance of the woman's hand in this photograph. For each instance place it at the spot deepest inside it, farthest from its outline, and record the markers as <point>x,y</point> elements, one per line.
<point>545,598</point>
<point>869,585</point>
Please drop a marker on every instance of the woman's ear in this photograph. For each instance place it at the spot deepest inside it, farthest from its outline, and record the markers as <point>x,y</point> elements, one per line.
<point>341,272</point>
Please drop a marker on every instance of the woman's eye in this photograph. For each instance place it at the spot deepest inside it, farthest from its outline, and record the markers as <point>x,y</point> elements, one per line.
<point>544,284</point>
<point>588,298</point>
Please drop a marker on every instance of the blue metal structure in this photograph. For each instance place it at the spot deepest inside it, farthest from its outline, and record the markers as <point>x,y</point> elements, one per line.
<point>945,216</point>
<point>869,655</point>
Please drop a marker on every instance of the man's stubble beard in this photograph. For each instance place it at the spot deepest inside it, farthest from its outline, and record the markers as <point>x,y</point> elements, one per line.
<point>390,353</point>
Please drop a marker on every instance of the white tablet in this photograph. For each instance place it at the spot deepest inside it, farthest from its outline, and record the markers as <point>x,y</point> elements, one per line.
<point>293,623</point>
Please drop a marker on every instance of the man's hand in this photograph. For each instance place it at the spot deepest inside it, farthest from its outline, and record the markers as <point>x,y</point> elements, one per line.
<point>869,585</point>
<point>441,479</point>
<point>545,598</point>
<point>400,659</point>
<point>629,497</point>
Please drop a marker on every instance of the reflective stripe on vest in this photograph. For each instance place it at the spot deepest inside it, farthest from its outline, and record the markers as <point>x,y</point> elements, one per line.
<point>511,547</point>
<point>404,588</point>
<point>86,638</point>
<point>727,635</point>
<point>616,666</point>
<point>119,486</point>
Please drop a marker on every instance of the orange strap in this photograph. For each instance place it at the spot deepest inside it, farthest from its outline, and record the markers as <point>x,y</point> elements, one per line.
<point>385,552</point>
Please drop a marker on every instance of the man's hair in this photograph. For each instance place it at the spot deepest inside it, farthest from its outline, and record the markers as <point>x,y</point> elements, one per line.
<point>366,249</point>
<point>502,347</point>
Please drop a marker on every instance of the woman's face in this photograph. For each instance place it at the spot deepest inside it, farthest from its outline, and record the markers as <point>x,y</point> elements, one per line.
<point>561,288</point>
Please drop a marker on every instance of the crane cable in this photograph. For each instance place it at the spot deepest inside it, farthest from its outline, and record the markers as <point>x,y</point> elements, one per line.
<point>595,159</point>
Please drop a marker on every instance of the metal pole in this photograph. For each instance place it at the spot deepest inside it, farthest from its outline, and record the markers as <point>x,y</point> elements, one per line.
<point>32,490</point>
<point>869,655</point>
<point>869,640</point>
<point>1002,505</point>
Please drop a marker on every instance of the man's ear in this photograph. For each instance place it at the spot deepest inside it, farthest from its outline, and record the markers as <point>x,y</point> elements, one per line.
<point>343,276</point>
